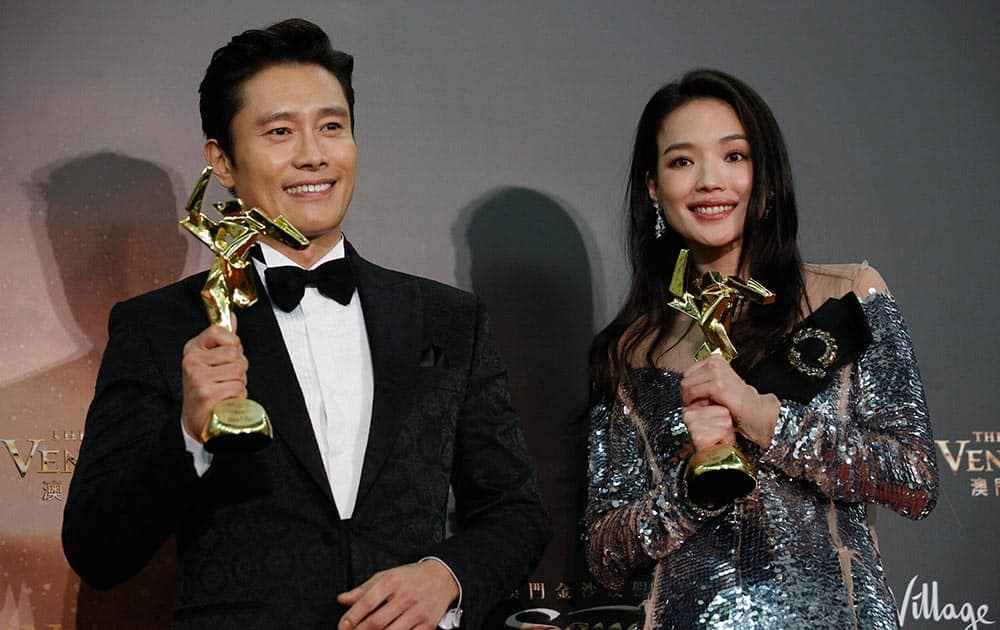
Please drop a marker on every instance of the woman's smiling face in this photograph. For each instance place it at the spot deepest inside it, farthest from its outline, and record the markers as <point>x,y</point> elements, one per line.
<point>703,179</point>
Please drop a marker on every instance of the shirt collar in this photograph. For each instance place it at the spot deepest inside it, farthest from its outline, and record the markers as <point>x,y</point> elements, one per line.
<point>274,258</point>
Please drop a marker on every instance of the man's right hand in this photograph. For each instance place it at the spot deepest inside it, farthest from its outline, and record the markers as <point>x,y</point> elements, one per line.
<point>213,369</point>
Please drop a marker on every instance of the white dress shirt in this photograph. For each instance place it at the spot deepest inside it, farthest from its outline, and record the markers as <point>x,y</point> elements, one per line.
<point>328,345</point>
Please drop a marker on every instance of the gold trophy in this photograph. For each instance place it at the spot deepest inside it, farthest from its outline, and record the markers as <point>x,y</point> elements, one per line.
<point>719,474</point>
<point>238,425</point>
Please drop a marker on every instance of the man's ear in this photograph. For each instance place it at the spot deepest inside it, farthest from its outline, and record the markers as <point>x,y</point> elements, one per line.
<point>221,165</point>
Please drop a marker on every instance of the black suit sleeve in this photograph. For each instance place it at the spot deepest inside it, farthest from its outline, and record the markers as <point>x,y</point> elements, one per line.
<point>133,472</point>
<point>503,527</point>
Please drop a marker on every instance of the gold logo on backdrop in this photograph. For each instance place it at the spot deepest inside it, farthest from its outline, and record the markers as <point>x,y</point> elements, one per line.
<point>52,491</point>
<point>33,455</point>
<point>979,457</point>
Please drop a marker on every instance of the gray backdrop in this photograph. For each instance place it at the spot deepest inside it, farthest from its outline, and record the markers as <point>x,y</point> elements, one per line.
<point>493,142</point>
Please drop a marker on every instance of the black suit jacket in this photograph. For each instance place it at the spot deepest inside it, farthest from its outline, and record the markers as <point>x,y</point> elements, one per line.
<point>260,541</point>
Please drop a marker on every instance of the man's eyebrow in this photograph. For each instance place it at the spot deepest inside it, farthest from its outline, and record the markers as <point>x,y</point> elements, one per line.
<point>333,110</point>
<point>269,117</point>
<point>284,114</point>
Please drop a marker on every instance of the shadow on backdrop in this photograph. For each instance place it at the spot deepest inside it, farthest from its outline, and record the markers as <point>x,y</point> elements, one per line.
<point>523,254</point>
<point>105,225</point>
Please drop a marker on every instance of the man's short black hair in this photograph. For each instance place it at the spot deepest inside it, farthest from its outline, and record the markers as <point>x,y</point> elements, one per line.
<point>291,41</point>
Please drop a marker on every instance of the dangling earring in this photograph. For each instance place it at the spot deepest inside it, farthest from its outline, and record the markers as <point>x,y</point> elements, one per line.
<point>660,227</point>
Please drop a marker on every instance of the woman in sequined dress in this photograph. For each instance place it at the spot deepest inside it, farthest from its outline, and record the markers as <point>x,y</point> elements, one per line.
<point>710,173</point>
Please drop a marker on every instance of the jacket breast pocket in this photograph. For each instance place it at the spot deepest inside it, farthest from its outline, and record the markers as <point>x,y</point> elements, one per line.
<point>450,379</point>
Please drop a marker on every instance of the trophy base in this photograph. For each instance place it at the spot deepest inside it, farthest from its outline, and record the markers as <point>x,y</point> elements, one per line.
<point>718,476</point>
<point>238,425</point>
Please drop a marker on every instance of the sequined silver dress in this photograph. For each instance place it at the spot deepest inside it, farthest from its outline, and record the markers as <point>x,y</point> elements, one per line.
<point>796,553</point>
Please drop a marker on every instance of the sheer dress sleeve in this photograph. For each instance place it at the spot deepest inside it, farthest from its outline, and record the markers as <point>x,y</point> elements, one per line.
<point>868,439</point>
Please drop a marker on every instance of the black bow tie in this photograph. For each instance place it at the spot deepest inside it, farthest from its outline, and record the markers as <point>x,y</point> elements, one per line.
<point>286,285</point>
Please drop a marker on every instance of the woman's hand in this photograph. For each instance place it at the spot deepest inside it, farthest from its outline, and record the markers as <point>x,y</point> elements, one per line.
<point>713,382</point>
<point>709,424</point>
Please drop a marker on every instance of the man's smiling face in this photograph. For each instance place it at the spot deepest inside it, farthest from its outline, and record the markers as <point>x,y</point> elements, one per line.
<point>293,150</point>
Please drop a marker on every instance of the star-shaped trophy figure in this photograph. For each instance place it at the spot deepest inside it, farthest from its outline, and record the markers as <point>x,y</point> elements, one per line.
<point>717,296</point>
<point>237,425</point>
<point>720,474</point>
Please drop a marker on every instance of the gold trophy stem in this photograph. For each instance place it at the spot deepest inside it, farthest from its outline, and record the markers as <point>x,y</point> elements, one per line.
<point>237,425</point>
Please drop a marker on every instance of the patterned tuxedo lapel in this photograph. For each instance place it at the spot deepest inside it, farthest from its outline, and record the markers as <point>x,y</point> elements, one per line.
<point>393,321</point>
<point>272,383</point>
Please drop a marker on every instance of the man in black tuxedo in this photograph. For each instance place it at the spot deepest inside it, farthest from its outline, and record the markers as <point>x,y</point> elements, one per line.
<point>381,396</point>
